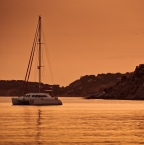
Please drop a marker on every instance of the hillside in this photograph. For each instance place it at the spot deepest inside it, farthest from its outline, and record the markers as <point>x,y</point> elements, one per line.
<point>131,87</point>
<point>91,84</point>
<point>15,87</point>
<point>84,86</point>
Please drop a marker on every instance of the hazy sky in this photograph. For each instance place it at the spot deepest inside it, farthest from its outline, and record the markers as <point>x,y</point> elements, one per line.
<point>84,37</point>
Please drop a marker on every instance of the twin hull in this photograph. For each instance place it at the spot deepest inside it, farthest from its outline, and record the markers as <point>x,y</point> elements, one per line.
<point>21,101</point>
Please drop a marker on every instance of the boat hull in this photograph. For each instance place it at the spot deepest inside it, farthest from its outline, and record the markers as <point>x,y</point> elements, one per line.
<point>17,101</point>
<point>46,102</point>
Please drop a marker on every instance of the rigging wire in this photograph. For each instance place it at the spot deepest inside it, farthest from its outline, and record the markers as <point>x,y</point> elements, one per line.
<point>46,77</point>
<point>48,57</point>
<point>35,65</point>
<point>30,61</point>
<point>32,57</point>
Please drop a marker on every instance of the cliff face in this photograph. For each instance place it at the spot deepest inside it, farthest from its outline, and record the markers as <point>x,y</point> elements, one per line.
<point>131,87</point>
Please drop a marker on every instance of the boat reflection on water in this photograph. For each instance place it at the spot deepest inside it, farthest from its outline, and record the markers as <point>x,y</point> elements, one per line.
<point>38,128</point>
<point>79,121</point>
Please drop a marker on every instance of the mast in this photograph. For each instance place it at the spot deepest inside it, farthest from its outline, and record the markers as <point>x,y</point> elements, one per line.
<point>39,67</point>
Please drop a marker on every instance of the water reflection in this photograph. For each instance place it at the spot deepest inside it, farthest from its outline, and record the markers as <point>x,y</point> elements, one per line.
<point>102,122</point>
<point>38,127</point>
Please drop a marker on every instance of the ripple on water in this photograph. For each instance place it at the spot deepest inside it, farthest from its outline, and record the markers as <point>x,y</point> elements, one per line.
<point>77,121</point>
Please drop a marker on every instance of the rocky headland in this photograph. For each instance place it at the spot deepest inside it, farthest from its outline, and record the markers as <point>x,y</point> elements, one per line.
<point>91,84</point>
<point>128,88</point>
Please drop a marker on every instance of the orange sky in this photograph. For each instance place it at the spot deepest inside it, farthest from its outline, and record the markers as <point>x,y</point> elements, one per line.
<point>84,37</point>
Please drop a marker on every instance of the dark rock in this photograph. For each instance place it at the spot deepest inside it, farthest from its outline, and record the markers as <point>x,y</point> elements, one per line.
<point>131,87</point>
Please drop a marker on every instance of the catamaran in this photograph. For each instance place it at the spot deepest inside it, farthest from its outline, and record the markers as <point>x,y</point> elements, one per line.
<point>39,98</point>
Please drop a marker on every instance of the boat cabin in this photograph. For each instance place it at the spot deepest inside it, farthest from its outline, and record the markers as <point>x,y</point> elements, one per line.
<point>37,95</point>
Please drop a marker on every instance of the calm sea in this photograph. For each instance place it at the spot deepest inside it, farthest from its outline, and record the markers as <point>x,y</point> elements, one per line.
<point>76,122</point>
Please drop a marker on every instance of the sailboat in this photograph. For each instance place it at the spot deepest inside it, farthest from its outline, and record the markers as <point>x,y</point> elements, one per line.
<point>39,98</point>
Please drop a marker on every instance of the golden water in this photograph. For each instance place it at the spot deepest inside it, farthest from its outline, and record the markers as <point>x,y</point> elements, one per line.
<point>76,122</point>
